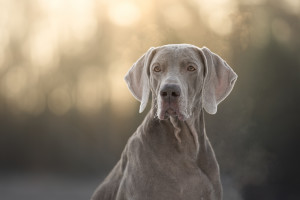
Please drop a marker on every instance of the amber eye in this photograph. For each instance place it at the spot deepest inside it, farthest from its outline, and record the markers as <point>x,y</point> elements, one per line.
<point>191,68</point>
<point>157,68</point>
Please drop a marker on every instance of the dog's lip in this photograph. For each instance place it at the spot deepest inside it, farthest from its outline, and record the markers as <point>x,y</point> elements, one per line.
<point>171,112</point>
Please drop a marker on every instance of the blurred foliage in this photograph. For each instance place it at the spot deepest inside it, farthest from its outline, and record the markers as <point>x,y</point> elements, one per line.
<point>64,106</point>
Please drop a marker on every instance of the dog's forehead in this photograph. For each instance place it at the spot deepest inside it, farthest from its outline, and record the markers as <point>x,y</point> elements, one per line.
<point>176,53</point>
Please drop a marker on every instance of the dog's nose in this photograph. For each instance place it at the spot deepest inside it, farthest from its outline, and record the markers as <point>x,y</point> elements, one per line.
<point>170,91</point>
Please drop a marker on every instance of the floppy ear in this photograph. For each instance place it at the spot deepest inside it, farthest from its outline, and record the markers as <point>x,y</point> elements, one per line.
<point>218,81</point>
<point>137,78</point>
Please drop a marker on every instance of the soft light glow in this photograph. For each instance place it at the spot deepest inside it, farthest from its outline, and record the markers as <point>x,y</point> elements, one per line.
<point>91,91</point>
<point>220,23</point>
<point>177,16</point>
<point>121,99</point>
<point>252,2</point>
<point>4,41</point>
<point>43,47</point>
<point>292,6</point>
<point>1,59</point>
<point>124,13</point>
<point>15,82</point>
<point>217,14</point>
<point>72,20</point>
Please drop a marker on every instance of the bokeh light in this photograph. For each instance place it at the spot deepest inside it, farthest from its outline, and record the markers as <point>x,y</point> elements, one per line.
<point>123,13</point>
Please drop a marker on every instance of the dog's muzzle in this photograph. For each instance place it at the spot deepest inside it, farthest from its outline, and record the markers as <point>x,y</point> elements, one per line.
<point>170,95</point>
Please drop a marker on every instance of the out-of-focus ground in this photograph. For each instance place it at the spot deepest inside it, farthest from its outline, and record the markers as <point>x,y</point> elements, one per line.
<point>59,187</point>
<point>46,187</point>
<point>66,113</point>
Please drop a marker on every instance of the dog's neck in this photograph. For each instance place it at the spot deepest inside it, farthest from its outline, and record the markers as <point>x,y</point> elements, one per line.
<point>195,126</point>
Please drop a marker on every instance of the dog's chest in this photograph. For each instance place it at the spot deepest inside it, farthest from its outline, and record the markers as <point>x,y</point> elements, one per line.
<point>152,176</point>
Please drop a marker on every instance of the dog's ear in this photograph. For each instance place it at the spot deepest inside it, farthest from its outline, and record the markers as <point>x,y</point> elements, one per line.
<point>137,78</point>
<point>218,81</point>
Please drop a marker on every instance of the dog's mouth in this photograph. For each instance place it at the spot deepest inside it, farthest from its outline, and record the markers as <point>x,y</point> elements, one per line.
<point>171,112</point>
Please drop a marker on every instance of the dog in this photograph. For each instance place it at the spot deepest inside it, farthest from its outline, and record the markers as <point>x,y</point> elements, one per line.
<point>169,157</point>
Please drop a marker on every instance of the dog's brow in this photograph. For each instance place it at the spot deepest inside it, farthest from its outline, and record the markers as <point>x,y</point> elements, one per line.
<point>189,61</point>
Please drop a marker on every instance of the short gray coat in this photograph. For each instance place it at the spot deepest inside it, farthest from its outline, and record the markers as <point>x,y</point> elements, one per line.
<point>169,157</point>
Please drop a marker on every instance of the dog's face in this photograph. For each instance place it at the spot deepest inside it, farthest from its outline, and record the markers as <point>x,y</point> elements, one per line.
<point>176,80</point>
<point>182,78</point>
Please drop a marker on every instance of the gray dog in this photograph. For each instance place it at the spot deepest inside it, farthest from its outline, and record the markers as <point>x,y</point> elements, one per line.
<point>169,157</point>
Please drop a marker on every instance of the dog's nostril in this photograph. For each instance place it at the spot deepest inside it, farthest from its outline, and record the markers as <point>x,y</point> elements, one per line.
<point>170,91</point>
<point>175,94</point>
<point>164,94</point>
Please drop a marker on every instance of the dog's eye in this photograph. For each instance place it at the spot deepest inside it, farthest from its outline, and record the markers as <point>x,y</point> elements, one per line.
<point>191,68</point>
<point>157,68</point>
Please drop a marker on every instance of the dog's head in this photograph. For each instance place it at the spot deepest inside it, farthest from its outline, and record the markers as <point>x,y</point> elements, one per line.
<point>181,77</point>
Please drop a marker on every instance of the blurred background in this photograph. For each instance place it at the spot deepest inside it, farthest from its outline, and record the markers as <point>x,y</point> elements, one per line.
<point>66,113</point>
